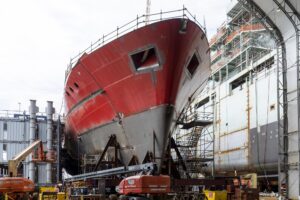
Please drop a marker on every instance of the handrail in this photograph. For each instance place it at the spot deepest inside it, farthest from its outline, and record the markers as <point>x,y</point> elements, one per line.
<point>217,54</point>
<point>138,22</point>
<point>24,115</point>
<point>220,32</point>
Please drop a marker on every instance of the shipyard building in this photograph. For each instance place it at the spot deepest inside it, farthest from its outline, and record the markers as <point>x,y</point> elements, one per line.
<point>253,93</point>
<point>240,133</point>
<point>19,129</point>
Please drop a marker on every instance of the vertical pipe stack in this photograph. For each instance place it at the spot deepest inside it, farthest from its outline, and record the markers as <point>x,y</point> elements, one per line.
<point>49,112</point>
<point>33,109</point>
<point>58,149</point>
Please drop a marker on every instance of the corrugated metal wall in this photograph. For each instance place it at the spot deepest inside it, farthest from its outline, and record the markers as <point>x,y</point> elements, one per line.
<point>16,139</point>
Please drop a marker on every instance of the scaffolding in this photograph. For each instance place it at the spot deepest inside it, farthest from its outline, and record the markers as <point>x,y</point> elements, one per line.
<point>194,139</point>
<point>239,44</point>
<point>282,111</point>
<point>291,13</point>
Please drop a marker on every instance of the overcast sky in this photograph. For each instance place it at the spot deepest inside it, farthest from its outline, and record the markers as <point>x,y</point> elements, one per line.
<point>38,38</point>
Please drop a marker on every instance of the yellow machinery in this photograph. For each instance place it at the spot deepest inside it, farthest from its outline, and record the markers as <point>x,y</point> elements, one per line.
<point>215,195</point>
<point>51,193</point>
<point>61,196</point>
<point>48,193</point>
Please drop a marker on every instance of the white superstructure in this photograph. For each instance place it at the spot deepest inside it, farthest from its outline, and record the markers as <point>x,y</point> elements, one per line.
<point>244,94</point>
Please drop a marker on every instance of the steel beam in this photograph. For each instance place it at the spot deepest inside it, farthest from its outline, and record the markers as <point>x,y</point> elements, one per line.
<point>112,142</point>
<point>290,12</point>
<point>113,172</point>
<point>282,110</point>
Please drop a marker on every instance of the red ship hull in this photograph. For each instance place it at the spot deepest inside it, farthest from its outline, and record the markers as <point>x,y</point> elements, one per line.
<point>134,87</point>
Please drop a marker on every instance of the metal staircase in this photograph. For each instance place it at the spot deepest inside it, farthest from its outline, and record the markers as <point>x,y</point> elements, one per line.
<point>194,139</point>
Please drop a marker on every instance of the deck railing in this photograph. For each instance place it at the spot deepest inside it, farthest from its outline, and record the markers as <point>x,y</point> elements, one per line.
<point>134,24</point>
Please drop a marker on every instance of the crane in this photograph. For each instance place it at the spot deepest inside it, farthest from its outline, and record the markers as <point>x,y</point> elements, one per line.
<point>16,160</point>
<point>148,5</point>
<point>13,184</point>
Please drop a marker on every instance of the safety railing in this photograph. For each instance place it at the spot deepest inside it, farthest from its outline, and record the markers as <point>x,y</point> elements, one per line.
<point>244,28</point>
<point>24,115</point>
<point>220,33</point>
<point>134,24</point>
<point>217,54</point>
<point>11,113</point>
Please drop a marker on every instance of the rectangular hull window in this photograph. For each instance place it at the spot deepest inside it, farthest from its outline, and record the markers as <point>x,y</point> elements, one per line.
<point>193,64</point>
<point>238,83</point>
<point>145,60</point>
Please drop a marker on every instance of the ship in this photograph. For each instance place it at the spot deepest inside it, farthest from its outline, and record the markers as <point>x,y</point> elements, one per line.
<point>132,89</point>
<point>241,94</point>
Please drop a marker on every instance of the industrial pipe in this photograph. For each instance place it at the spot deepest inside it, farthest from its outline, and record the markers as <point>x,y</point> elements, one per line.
<point>49,112</point>
<point>33,109</point>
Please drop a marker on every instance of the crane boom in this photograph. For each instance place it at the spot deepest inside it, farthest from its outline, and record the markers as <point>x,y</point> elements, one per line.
<point>15,161</point>
<point>148,11</point>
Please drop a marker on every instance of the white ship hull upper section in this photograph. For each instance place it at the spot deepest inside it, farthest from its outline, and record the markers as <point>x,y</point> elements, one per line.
<point>245,123</point>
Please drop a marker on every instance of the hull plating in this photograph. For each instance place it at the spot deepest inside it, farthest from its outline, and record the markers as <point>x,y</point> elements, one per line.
<point>261,155</point>
<point>134,133</point>
<point>107,94</point>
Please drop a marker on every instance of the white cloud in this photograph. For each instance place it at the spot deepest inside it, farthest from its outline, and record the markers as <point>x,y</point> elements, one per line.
<point>38,38</point>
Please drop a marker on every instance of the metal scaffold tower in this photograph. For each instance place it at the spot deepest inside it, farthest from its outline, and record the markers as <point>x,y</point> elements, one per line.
<point>291,13</point>
<point>195,139</point>
<point>282,112</point>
